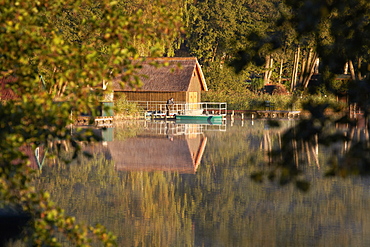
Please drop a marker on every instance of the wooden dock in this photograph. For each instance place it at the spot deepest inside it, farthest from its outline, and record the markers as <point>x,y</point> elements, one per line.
<point>245,114</point>
<point>278,114</point>
<point>98,121</point>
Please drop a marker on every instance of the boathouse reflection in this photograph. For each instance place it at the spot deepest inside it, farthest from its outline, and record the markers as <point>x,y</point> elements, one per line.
<point>160,146</point>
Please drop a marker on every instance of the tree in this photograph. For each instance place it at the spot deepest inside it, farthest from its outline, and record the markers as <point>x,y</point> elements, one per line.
<point>340,31</point>
<point>218,30</point>
<point>154,15</point>
<point>58,54</point>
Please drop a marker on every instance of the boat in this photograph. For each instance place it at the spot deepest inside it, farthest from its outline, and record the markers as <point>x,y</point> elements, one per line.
<point>204,112</point>
<point>210,119</point>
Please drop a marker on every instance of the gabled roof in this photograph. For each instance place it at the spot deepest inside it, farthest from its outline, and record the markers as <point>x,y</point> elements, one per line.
<point>175,77</point>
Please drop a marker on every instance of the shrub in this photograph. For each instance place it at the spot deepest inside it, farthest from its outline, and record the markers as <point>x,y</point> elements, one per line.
<point>256,84</point>
<point>248,100</point>
<point>125,109</point>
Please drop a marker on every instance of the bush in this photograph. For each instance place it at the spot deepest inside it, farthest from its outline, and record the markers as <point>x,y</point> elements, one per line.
<point>256,84</point>
<point>248,100</point>
<point>124,108</point>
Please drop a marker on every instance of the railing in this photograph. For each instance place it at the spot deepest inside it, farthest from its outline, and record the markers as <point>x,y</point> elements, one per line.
<point>175,129</point>
<point>182,108</point>
<point>159,107</point>
<point>213,108</point>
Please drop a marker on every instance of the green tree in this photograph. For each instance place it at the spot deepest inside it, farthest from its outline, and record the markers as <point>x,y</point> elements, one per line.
<point>154,15</point>
<point>73,46</point>
<point>220,31</point>
<point>340,32</point>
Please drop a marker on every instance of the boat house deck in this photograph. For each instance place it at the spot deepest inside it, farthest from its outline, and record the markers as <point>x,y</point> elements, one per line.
<point>155,109</point>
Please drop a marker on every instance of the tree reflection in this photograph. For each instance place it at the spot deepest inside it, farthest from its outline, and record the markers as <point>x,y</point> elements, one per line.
<point>219,205</point>
<point>288,152</point>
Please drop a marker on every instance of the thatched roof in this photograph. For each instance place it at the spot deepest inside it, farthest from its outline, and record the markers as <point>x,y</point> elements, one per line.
<point>158,154</point>
<point>175,77</point>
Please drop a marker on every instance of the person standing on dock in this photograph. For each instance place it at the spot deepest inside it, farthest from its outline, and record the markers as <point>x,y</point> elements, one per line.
<point>168,103</point>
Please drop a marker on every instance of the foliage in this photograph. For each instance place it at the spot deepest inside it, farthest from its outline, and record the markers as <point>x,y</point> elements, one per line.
<point>340,29</point>
<point>256,84</point>
<point>338,32</point>
<point>247,100</point>
<point>73,46</point>
<point>218,29</point>
<point>223,78</point>
<point>125,109</point>
<point>165,36</point>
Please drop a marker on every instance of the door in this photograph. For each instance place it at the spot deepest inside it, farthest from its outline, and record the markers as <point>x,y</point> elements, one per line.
<point>193,99</point>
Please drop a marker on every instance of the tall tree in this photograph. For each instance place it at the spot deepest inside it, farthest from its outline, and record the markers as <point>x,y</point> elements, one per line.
<point>73,46</point>
<point>218,28</point>
<point>340,30</point>
<point>154,14</point>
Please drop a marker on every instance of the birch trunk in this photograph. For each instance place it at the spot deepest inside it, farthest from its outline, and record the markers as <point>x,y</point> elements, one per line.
<point>295,69</point>
<point>267,74</point>
<point>281,70</point>
<point>303,69</point>
<point>311,65</point>
<point>359,64</point>
<point>346,68</point>
<point>352,70</point>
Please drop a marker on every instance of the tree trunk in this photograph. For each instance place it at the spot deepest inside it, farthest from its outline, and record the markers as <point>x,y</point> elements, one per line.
<point>281,70</point>
<point>359,64</point>
<point>295,69</point>
<point>308,68</point>
<point>346,68</point>
<point>303,69</point>
<point>268,69</point>
<point>311,65</point>
<point>352,70</point>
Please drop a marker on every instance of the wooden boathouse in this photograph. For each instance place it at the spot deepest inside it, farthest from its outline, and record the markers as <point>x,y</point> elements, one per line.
<point>178,77</point>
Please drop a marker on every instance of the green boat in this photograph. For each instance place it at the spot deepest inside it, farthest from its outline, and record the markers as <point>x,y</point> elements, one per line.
<point>202,113</point>
<point>210,119</point>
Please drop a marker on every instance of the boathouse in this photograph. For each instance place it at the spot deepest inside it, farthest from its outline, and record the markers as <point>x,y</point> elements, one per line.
<point>178,77</point>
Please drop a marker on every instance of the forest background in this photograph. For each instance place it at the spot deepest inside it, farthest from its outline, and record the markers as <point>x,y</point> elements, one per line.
<point>246,45</point>
<point>53,53</point>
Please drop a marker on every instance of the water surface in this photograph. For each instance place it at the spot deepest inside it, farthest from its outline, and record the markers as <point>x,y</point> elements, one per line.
<point>162,184</point>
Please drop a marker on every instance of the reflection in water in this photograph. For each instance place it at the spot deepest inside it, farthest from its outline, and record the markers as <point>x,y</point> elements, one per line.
<point>153,153</point>
<point>219,205</point>
<point>303,152</point>
<point>161,146</point>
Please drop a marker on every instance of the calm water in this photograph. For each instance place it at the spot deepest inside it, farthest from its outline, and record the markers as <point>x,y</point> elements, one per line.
<point>157,184</point>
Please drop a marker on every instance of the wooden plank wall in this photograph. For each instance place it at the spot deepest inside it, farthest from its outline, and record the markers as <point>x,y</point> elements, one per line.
<point>153,96</point>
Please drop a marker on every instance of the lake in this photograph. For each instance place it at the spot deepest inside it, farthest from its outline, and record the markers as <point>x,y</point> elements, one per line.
<point>162,184</point>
